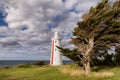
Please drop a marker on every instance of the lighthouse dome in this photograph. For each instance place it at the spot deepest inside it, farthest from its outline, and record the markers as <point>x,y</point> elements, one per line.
<point>56,35</point>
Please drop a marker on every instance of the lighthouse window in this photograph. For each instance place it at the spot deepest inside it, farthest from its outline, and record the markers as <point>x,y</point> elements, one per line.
<point>55,49</point>
<point>55,41</point>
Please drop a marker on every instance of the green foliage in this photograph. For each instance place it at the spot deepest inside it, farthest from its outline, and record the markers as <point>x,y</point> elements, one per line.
<point>74,54</point>
<point>102,24</point>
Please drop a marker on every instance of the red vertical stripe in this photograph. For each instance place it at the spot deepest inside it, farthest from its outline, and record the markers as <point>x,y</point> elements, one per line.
<point>52,52</point>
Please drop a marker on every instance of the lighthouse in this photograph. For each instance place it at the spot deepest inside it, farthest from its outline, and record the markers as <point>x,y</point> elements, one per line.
<point>56,57</point>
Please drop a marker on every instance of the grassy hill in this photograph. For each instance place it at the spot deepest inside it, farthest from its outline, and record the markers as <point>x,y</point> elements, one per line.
<point>65,72</point>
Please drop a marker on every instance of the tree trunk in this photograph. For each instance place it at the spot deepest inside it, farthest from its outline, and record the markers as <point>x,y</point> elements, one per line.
<point>87,67</point>
<point>87,51</point>
<point>86,64</point>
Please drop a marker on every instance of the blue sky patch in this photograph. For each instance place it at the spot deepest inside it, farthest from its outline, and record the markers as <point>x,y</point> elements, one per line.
<point>63,0</point>
<point>2,21</point>
<point>2,16</point>
<point>2,36</point>
<point>24,28</point>
<point>57,20</point>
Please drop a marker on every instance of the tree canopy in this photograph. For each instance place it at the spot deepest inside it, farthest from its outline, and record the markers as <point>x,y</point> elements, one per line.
<point>96,35</point>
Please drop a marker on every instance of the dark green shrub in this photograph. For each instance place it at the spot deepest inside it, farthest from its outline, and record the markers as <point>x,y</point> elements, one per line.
<point>39,63</point>
<point>24,65</point>
<point>7,67</point>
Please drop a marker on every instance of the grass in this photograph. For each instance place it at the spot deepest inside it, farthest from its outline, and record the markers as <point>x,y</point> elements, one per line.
<point>65,72</point>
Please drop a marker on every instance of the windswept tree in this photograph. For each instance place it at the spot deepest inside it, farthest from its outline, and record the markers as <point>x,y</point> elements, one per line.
<point>98,32</point>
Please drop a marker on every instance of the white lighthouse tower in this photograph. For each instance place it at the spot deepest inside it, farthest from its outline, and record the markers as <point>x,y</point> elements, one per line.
<point>56,58</point>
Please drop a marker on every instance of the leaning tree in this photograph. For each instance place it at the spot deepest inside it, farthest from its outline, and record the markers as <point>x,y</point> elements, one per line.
<point>98,32</point>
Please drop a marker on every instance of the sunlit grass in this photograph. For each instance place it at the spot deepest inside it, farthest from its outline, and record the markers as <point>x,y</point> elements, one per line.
<point>79,72</point>
<point>64,72</point>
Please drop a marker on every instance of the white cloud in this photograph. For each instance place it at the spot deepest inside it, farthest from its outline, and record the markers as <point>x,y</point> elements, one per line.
<point>39,19</point>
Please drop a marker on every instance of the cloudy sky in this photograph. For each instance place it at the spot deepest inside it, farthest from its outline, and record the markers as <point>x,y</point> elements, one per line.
<point>27,26</point>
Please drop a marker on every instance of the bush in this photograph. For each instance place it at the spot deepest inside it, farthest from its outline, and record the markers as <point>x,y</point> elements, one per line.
<point>24,65</point>
<point>39,63</point>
